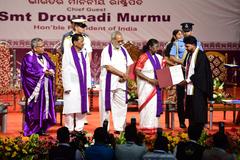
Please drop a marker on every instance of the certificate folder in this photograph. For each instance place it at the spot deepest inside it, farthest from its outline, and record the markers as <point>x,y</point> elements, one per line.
<point>169,76</point>
<point>164,77</point>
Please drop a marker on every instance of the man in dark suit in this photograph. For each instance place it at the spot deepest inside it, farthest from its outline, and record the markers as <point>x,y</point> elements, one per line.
<point>178,54</point>
<point>198,82</point>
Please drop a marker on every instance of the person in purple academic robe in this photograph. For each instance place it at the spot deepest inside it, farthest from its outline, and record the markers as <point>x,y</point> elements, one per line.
<point>37,75</point>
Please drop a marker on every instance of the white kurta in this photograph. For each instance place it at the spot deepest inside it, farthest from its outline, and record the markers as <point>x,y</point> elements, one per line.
<point>72,101</point>
<point>118,105</point>
<point>86,48</point>
<point>148,119</point>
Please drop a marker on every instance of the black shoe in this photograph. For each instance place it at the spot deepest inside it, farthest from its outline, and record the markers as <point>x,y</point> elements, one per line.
<point>182,125</point>
<point>42,133</point>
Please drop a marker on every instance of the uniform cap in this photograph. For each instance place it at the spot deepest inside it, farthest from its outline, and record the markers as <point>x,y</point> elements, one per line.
<point>186,27</point>
<point>80,22</point>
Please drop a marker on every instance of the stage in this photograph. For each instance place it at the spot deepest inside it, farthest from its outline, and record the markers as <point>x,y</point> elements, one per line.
<point>14,121</point>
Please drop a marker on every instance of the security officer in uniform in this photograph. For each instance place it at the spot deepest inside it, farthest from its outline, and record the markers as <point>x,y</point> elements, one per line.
<point>178,54</point>
<point>79,26</point>
<point>187,31</point>
<point>66,35</point>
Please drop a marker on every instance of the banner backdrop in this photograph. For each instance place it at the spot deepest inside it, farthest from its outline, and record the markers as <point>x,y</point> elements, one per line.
<point>217,22</point>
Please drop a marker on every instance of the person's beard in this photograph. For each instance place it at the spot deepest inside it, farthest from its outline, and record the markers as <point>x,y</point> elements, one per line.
<point>191,50</point>
<point>117,46</point>
<point>78,48</point>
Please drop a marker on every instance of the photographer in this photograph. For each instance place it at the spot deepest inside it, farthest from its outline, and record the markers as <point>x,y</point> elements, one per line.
<point>64,150</point>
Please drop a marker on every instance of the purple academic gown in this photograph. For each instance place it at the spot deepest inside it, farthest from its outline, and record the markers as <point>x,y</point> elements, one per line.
<point>37,116</point>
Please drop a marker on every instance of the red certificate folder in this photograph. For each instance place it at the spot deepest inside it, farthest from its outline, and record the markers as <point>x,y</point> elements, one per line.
<point>164,77</point>
<point>170,76</point>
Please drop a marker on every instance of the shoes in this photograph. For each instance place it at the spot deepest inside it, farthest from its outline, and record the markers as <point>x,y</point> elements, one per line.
<point>42,133</point>
<point>85,122</point>
<point>182,125</point>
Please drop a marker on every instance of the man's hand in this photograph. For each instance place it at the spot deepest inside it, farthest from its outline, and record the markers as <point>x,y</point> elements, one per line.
<point>121,80</point>
<point>183,83</point>
<point>67,92</point>
<point>153,82</point>
<point>48,73</point>
<point>124,77</point>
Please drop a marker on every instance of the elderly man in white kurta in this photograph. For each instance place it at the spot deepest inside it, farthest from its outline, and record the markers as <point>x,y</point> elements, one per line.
<point>115,61</point>
<point>149,93</point>
<point>75,74</point>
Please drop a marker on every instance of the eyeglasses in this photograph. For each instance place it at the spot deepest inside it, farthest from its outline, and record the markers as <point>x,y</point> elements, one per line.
<point>120,42</point>
<point>40,46</point>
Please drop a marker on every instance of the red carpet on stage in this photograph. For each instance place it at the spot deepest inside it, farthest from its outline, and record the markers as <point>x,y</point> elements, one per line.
<point>14,123</point>
<point>14,119</point>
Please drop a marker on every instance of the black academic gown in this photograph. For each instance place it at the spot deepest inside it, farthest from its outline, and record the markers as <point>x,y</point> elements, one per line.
<point>196,105</point>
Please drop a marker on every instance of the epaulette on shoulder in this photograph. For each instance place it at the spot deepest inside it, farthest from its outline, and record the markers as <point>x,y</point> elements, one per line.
<point>84,34</point>
<point>68,37</point>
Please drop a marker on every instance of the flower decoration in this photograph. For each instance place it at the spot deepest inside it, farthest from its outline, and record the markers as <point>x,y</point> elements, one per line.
<point>35,147</point>
<point>26,148</point>
<point>218,91</point>
<point>120,139</point>
<point>132,90</point>
<point>174,138</point>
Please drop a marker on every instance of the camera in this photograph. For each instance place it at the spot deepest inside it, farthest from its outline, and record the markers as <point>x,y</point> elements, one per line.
<point>159,131</point>
<point>133,121</point>
<point>221,127</point>
<point>105,124</point>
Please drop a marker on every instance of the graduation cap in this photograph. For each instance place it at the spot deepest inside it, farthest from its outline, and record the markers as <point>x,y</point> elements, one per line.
<point>187,27</point>
<point>80,22</point>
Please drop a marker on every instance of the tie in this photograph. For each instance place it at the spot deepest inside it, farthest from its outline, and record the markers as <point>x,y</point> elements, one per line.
<point>40,57</point>
<point>188,64</point>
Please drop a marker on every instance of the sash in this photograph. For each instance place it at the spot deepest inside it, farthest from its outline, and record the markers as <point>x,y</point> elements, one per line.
<point>190,70</point>
<point>184,55</point>
<point>156,65</point>
<point>36,90</point>
<point>177,55</point>
<point>108,80</point>
<point>176,43</point>
<point>150,96</point>
<point>82,76</point>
